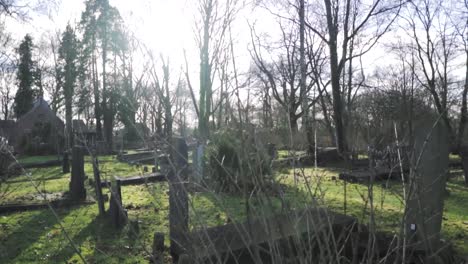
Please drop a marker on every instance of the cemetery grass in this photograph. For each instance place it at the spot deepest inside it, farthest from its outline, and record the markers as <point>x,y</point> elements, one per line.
<point>36,236</point>
<point>34,159</point>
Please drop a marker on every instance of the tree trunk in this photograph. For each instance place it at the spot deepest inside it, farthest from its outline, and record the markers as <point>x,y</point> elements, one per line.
<point>105,96</point>
<point>97,102</point>
<point>69,116</point>
<point>293,122</point>
<point>335,82</point>
<point>461,127</point>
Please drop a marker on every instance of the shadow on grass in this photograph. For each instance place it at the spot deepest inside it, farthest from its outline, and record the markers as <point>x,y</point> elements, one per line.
<point>95,230</point>
<point>26,235</point>
<point>40,175</point>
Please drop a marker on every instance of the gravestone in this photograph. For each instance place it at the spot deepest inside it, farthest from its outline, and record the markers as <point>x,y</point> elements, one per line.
<point>77,188</point>
<point>65,163</point>
<point>164,164</point>
<point>197,162</point>
<point>98,188</point>
<point>426,187</point>
<point>156,162</point>
<point>178,197</point>
<point>117,213</point>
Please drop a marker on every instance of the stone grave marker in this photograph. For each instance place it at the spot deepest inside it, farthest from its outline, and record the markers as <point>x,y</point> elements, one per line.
<point>117,213</point>
<point>178,197</point>
<point>426,186</point>
<point>164,164</point>
<point>98,187</point>
<point>197,162</point>
<point>77,188</point>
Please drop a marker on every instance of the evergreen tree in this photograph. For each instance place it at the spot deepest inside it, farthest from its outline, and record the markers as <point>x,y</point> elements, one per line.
<point>25,76</point>
<point>68,56</point>
<point>101,26</point>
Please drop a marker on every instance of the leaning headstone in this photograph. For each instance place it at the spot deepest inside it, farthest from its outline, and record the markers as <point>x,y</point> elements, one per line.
<point>426,188</point>
<point>178,197</point>
<point>117,213</point>
<point>77,188</point>
<point>65,163</point>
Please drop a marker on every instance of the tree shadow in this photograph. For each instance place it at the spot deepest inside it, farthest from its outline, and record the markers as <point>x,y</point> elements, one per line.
<point>26,235</point>
<point>93,230</point>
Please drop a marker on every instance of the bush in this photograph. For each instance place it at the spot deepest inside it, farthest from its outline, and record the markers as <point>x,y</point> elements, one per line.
<point>234,168</point>
<point>6,158</point>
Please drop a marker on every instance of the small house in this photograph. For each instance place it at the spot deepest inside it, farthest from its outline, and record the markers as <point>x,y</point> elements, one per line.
<point>39,131</point>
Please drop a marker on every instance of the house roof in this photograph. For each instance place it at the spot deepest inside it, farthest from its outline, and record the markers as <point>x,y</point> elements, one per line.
<point>40,110</point>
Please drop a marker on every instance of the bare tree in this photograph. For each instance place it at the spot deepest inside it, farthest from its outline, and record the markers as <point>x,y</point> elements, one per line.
<point>282,74</point>
<point>7,82</point>
<point>436,41</point>
<point>211,28</point>
<point>340,24</point>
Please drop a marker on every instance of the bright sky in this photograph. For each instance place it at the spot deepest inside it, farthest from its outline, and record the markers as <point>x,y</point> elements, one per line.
<point>164,26</point>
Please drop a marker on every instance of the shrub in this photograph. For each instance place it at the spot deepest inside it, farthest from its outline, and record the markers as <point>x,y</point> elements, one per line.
<point>234,166</point>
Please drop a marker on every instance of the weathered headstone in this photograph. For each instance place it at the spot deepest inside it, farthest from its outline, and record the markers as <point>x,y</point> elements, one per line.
<point>117,213</point>
<point>178,197</point>
<point>426,188</point>
<point>158,248</point>
<point>156,162</point>
<point>164,164</point>
<point>77,188</point>
<point>197,163</point>
<point>65,163</point>
<point>98,188</point>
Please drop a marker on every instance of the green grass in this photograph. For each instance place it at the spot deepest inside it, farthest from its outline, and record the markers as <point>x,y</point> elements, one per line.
<point>387,202</point>
<point>289,153</point>
<point>51,180</point>
<point>35,236</point>
<point>34,159</point>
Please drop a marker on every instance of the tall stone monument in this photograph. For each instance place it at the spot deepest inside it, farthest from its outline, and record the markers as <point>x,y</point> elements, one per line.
<point>426,187</point>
